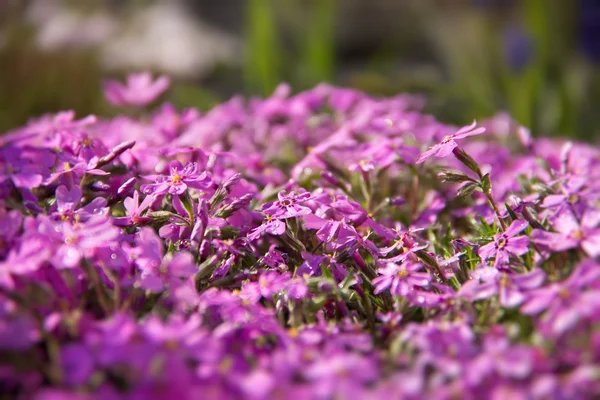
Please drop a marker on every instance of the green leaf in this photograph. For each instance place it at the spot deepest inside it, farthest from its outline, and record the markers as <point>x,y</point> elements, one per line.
<point>160,214</point>
<point>486,184</point>
<point>512,214</point>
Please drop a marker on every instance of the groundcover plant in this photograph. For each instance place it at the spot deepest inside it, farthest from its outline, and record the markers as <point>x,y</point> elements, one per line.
<point>325,245</point>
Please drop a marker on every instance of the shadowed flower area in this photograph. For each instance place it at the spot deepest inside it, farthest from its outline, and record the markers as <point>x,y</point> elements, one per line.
<point>323,245</point>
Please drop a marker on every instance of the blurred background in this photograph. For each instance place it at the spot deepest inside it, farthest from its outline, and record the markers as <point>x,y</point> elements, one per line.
<point>539,60</point>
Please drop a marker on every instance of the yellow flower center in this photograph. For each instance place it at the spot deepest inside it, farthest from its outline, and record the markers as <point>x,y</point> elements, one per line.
<point>66,166</point>
<point>402,273</point>
<point>226,364</point>
<point>501,242</point>
<point>171,344</point>
<point>447,139</point>
<point>573,199</point>
<point>293,332</point>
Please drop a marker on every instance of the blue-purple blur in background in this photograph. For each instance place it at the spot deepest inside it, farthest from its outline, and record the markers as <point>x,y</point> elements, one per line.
<point>589,28</point>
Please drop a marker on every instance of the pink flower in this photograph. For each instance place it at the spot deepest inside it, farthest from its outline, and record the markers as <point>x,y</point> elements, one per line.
<point>506,243</point>
<point>572,233</point>
<point>448,144</point>
<point>179,179</point>
<point>134,210</point>
<point>139,91</point>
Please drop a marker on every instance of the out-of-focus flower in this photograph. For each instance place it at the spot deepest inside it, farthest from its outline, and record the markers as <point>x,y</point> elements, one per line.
<point>519,48</point>
<point>139,90</point>
<point>401,279</point>
<point>572,233</point>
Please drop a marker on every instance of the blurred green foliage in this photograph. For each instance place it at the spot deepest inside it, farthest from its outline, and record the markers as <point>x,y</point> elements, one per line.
<point>462,68</point>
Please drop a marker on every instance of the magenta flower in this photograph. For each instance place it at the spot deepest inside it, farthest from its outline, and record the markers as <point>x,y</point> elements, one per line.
<point>268,285</point>
<point>271,226</point>
<point>78,169</point>
<point>75,241</point>
<point>572,233</point>
<point>178,180</point>
<point>68,200</point>
<point>400,279</point>
<point>158,270</point>
<point>17,167</point>
<point>566,303</point>
<point>10,224</point>
<point>288,206</point>
<point>500,357</point>
<point>506,243</point>
<point>575,194</point>
<point>511,288</point>
<point>448,144</point>
<point>139,90</point>
<point>275,259</point>
<point>135,210</point>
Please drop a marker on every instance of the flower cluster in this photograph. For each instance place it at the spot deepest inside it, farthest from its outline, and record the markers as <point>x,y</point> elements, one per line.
<point>322,245</point>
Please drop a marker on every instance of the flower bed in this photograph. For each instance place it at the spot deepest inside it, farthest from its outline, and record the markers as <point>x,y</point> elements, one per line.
<point>322,245</point>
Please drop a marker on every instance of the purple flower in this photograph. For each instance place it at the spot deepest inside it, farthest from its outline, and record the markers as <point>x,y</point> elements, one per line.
<point>69,171</point>
<point>134,210</point>
<point>67,201</point>
<point>499,357</point>
<point>17,332</point>
<point>271,226</point>
<point>19,168</point>
<point>575,194</point>
<point>511,288</point>
<point>566,303</point>
<point>158,271</point>
<point>448,144</point>
<point>288,206</point>
<point>10,224</point>
<point>506,243</point>
<point>572,233</point>
<point>269,284</point>
<point>341,374</point>
<point>75,241</point>
<point>77,363</point>
<point>139,90</point>
<point>400,279</point>
<point>178,180</point>
<point>275,259</point>
<point>33,251</point>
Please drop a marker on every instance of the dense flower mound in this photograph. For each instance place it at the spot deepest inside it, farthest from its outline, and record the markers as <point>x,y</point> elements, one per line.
<point>326,245</point>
